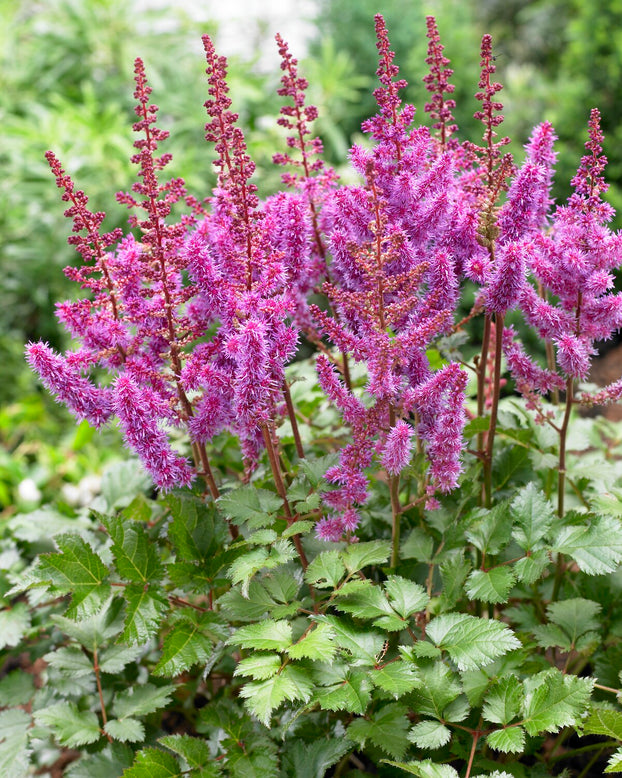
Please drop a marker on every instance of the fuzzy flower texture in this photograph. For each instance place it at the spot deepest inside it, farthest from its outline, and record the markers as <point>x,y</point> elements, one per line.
<point>195,318</point>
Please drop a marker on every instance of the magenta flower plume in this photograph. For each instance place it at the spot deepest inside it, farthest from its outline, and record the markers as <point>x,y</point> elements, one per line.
<point>437,83</point>
<point>397,449</point>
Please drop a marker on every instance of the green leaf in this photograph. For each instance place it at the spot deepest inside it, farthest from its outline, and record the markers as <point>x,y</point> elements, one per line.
<point>326,570</point>
<point>262,697</point>
<point>314,469</point>
<point>490,530</point>
<point>136,556</point>
<point>596,547</point>
<point>126,730</point>
<point>145,609</point>
<point>97,628</point>
<point>115,658</point>
<point>453,575</point>
<point>469,641</point>
<point>385,728</point>
<point>614,765</point>
<point>77,569</point>
<point>360,555</point>
<point>343,688</point>
<point>554,700</point>
<point>268,635</point>
<point>244,567</point>
<point>429,734</point>
<point>367,602</point>
<point>405,597</point>
<point>575,616</point>
<point>14,751</point>
<point>71,727</point>
<point>71,661</point>
<point>363,645</point>
<point>504,700</point>
<point>426,769</point>
<point>16,688</point>
<point>194,750</point>
<point>510,740</point>
<point>312,760</point>
<point>316,644</point>
<point>418,545</point>
<point>530,568</point>
<point>490,585</point>
<point>438,688</point>
<point>534,516</point>
<point>259,666</point>
<point>111,760</point>
<point>298,528</point>
<point>14,623</point>
<point>604,722</point>
<point>196,530</point>
<point>251,504</point>
<point>121,482</point>
<point>396,678</point>
<point>142,700</point>
<point>184,646</point>
<point>153,763</point>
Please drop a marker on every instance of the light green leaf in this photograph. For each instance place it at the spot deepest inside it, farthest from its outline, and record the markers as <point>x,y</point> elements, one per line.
<point>153,763</point>
<point>71,727</point>
<point>77,569</point>
<point>262,697</point>
<point>396,678</point>
<point>196,531</point>
<point>14,751</point>
<point>244,567</point>
<point>144,613</point>
<point>136,556</point>
<point>141,700</point>
<point>194,750</point>
<point>554,700</point>
<point>490,530</point>
<point>326,570</point>
<point>604,722</point>
<point>312,760</point>
<point>111,760</point>
<point>406,597</point>
<point>426,769</point>
<point>316,644</point>
<point>184,646</point>
<point>453,575</point>
<point>575,616</point>
<point>366,602</point>
<point>490,585</point>
<point>360,555</point>
<point>16,688</point>
<point>418,545</point>
<point>14,622</point>
<point>114,658</point>
<point>596,546</point>
<point>534,516</point>
<point>125,731</point>
<point>268,635</point>
<point>251,504</point>
<point>471,642</point>
<point>503,701</point>
<point>314,469</point>
<point>509,740</point>
<point>425,650</point>
<point>530,568</point>
<point>614,765</point>
<point>386,728</point>
<point>429,734</point>
<point>363,645</point>
<point>70,661</point>
<point>97,628</point>
<point>438,688</point>
<point>349,689</point>
<point>298,528</point>
<point>259,666</point>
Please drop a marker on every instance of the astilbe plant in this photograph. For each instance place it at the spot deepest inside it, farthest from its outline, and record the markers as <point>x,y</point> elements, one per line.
<point>384,552</point>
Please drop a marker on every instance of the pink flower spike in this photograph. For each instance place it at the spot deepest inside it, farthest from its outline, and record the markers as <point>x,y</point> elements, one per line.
<point>396,454</point>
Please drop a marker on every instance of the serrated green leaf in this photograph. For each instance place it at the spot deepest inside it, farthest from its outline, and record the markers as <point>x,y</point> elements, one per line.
<point>261,537</point>
<point>70,661</point>
<point>509,740</point>
<point>366,602</point>
<point>77,569</point>
<point>439,687</point>
<point>125,731</point>
<point>453,575</point>
<point>316,644</point>
<point>385,728</point>
<point>490,530</point>
<point>418,545</point>
<point>490,585</point>
<point>405,597</point>
<point>16,688</point>
<point>314,469</point>
<point>263,697</point>
<point>326,570</point>
<point>534,516</point>
<point>252,504</point>
<point>115,658</point>
<point>144,612</point>
<point>141,700</point>
<point>259,666</point>
<point>604,722</point>
<point>245,567</point>
<point>596,546</point>
<point>269,635</point>
<point>429,734</point>
<point>575,616</point>
<point>14,751</point>
<point>426,769</point>
<point>469,641</point>
<point>111,760</point>
<point>298,528</point>
<point>71,727</point>
<point>425,650</point>
<point>153,763</point>
<point>312,760</point>
<point>503,701</point>
<point>184,646</point>
<point>343,688</point>
<point>614,765</point>
<point>136,556</point>
<point>196,530</point>
<point>97,628</point>
<point>360,555</point>
<point>396,678</point>
<point>554,700</point>
<point>194,750</point>
<point>363,645</point>
<point>530,568</point>
<point>14,622</point>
